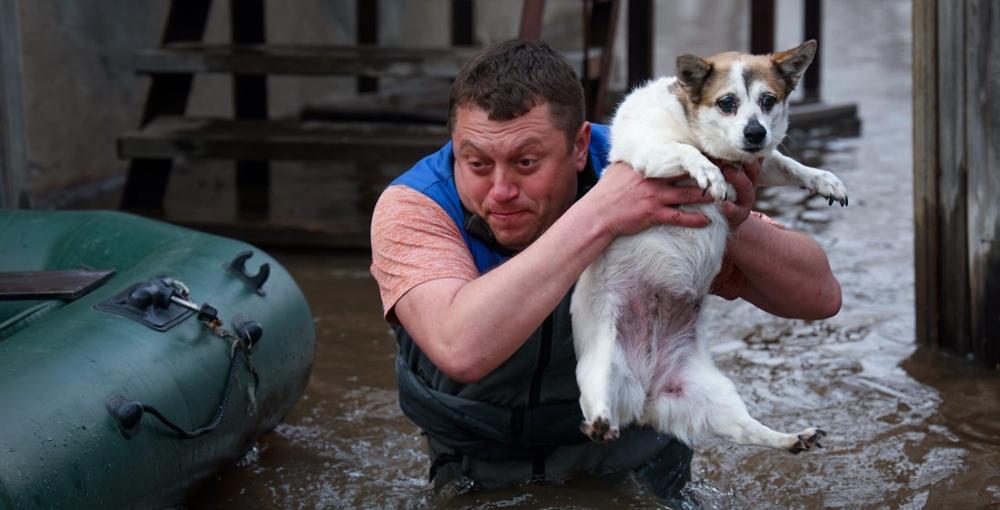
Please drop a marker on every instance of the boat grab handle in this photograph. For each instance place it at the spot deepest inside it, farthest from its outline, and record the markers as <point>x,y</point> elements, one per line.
<point>237,266</point>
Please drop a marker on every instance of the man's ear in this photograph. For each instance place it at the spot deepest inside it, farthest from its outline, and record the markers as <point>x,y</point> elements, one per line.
<point>581,146</point>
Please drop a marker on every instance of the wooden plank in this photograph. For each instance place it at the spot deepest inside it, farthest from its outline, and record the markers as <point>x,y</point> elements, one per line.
<point>952,247</point>
<point>761,26</point>
<point>202,138</point>
<point>60,284</point>
<point>532,13</point>
<point>462,19</point>
<point>925,170</point>
<point>359,60</point>
<point>982,67</point>
<point>253,178</point>
<point>15,187</point>
<point>813,29</point>
<point>841,119</point>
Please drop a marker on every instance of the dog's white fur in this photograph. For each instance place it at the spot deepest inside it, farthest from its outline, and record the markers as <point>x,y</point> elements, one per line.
<point>640,360</point>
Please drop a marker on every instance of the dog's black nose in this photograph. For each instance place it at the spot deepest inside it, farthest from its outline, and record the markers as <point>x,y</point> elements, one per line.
<point>754,132</point>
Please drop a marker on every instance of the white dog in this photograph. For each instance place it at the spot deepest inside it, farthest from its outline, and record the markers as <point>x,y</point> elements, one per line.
<point>634,309</point>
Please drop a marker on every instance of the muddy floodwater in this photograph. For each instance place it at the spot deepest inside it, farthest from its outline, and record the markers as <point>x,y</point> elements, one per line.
<point>908,428</point>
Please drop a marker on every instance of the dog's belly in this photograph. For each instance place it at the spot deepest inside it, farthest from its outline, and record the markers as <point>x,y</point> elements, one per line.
<point>660,279</point>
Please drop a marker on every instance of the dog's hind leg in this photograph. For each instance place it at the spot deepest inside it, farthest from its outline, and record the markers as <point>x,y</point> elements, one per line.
<point>704,401</point>
<point>594,334</point>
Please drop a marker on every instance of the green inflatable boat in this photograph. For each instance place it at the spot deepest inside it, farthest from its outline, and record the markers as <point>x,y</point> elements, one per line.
<point>137,358</point>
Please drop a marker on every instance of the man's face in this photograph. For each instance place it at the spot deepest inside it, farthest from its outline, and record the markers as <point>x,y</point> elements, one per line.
<point>518,175</point>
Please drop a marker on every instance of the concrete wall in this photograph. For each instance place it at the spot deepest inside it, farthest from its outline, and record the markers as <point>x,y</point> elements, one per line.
<point>80,95</point>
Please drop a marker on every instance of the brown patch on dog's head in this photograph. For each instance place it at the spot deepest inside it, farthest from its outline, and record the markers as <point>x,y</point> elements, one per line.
<point>703,79</point>
<point>736,103</point>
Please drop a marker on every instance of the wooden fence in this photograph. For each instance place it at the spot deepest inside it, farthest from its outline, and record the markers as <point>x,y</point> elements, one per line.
<point>956,153</point>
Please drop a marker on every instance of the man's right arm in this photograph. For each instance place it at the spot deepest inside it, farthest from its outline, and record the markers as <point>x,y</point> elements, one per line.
<point>468,328</point>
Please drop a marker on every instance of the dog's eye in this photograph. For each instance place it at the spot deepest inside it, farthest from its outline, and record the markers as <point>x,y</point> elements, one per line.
<point>726,104</point>
<point>767,101</point>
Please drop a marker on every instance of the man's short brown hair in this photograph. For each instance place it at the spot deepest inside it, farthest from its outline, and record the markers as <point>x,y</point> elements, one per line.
<point>509,78</point>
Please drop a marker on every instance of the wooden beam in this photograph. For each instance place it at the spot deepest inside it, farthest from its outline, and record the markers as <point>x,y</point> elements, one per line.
<point>982,153</point>
<point>313,60</point>
<point>532,13</point>
<point>202,138</point>
<point>253,177</point>
<point>813,30</point>
<point>925,170</point>
<point>146,184</point>
<point>640,42</point>
<point>367,34</point>
<point>462,16</point>
<point>15,186</point>
<point>761,26</point>
<point>952,205</point>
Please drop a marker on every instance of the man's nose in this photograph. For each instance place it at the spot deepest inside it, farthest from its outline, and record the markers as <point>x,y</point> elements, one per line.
<point>504,187</point>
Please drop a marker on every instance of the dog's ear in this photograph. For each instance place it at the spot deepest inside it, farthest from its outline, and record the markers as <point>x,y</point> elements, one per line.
<point>793,63</point>
<point>691,73</point>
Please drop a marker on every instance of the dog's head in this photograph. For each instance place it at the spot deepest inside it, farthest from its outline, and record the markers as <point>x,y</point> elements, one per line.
<point>737,104</point>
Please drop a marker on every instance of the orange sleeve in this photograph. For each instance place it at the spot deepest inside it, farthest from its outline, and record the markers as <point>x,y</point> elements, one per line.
<point>730,282</point>
<point>414,241</point>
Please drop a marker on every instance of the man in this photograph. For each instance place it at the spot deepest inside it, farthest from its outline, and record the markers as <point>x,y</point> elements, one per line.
<point>476,250</point>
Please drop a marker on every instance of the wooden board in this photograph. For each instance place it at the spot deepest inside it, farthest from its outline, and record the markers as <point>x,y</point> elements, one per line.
<point>956,185</point>
<point>360,60</point>
<point>61,284</point>
<point>203,138</point>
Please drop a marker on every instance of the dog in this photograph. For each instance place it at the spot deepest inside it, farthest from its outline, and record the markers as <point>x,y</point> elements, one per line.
<point>634,309</point>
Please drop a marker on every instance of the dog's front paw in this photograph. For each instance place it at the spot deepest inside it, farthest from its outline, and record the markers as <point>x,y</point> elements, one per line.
<point>807,439</point>
<point>708,177</point>
<point>599,430</point>
<point>828,185</point>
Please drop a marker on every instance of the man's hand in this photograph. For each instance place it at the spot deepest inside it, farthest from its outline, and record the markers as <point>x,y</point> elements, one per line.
<point>745,181</point>
<point>631,204</point>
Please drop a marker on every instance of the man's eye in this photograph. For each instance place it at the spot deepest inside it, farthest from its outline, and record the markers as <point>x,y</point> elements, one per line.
<point>477,166</point>
<point>767,101</point>
<point>525,162</point>
<point>726,104</point>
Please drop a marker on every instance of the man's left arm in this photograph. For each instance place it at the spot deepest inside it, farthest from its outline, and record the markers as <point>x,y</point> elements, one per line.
<point>786,272</point>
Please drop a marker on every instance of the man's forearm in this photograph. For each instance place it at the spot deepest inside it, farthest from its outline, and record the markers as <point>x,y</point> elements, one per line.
<point>489,318</point>
<point>788,274</point>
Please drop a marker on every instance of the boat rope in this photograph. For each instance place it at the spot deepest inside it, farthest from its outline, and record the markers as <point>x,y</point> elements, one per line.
<point>238,343</point>
<point>186,434</point>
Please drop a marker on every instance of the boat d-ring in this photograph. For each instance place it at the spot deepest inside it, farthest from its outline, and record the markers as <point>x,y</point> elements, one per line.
<point>237,266</point>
